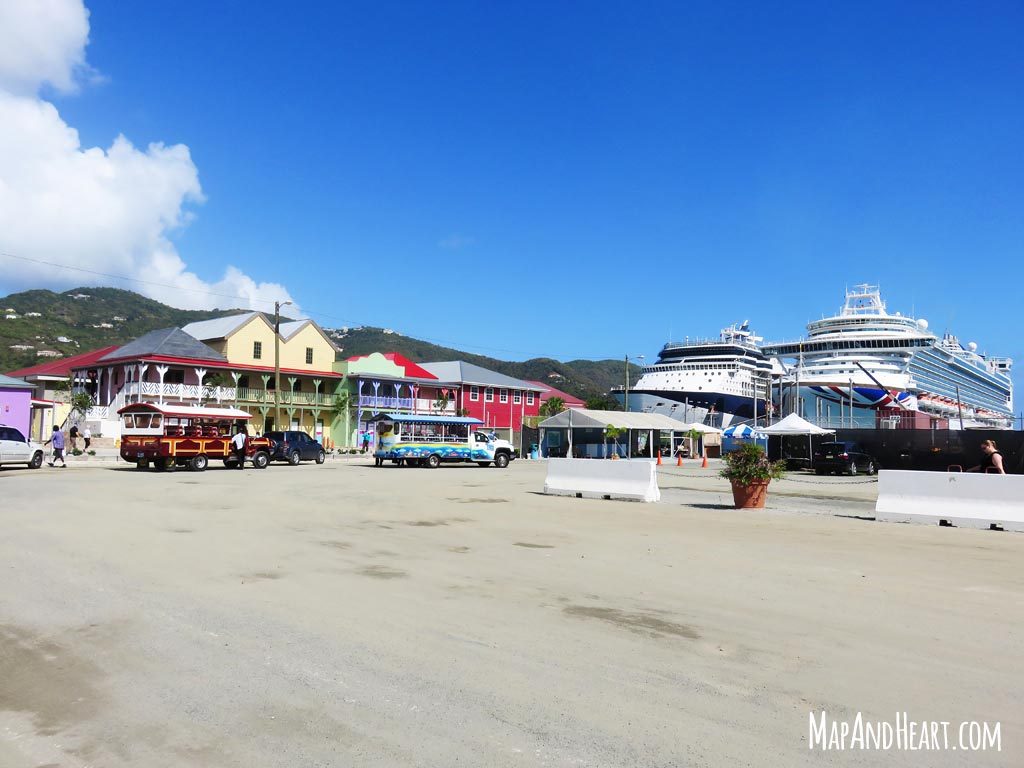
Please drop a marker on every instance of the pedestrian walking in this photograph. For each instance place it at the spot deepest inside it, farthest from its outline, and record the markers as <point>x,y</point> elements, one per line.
<point>366,442</point>
<point>87,436</point>
<point>991,459</point>
<point>57,438</point>
<point>73,434</point>
<point>238,446</point>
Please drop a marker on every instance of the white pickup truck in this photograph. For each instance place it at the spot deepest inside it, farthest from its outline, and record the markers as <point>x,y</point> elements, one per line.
<point>15,448</point>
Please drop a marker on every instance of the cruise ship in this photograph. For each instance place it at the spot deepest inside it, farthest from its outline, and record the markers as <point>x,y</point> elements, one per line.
<point>712,380</point>
<point>864,362</point>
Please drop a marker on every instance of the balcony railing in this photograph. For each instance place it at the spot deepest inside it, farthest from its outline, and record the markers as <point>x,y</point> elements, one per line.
<point>373,401</point>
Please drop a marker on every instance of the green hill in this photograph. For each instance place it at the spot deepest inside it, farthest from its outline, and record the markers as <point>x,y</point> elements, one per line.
<point>584,378</point>
<point>45,317</point>
<point>89,318</point>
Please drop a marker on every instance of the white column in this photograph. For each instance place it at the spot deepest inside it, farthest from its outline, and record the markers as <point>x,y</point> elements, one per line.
<point>127,381</point>
<point>161,372</point>
<point>110,375</point>
<point>143,367</point>
<point>201,373</point>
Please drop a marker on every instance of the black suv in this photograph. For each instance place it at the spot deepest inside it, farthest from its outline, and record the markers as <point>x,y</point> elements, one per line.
<point>843,457</point>
<point>295,446</point>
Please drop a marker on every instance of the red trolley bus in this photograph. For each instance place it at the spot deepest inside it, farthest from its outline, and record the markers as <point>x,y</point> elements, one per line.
<point>185,436</point>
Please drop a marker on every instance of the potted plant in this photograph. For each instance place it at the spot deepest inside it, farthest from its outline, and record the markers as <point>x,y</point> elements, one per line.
<point>750,471</point>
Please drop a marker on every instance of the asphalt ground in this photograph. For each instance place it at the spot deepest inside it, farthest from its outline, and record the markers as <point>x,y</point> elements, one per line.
<point>344,615</point>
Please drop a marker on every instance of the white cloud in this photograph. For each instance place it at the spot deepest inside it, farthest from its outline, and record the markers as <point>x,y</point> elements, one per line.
<point>104,210</point>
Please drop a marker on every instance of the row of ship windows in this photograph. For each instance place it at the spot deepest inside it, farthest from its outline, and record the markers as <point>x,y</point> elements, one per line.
<point>807,347</point>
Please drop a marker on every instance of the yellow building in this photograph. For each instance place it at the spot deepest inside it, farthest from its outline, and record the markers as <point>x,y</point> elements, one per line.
<point>306,355</point>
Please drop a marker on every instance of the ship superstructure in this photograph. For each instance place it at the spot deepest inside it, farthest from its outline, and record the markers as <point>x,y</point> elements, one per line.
<point>865,358</point>
<point>697,378</point>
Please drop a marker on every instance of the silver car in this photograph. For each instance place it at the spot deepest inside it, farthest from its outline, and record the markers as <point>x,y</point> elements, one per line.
<point>15,448</point>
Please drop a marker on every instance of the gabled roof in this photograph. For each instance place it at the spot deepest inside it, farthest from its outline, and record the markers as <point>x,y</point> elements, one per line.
<point>7,382</point>
<point>411,369</point>
<point>220,327</point>
<point>550,392</point>
<point>166,342</point>
<point>467,373</point>
<point>63,367</point>
<point>292,327</point>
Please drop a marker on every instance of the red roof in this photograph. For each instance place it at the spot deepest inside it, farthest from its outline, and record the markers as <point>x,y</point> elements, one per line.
<point>65,365</point>
<point>412,370</point>
<point>550,392</point>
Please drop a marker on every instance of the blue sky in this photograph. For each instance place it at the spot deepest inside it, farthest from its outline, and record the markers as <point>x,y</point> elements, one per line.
<point>582,180</point>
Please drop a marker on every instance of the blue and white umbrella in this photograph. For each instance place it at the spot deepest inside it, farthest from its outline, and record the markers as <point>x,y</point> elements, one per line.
<point>743,431</point>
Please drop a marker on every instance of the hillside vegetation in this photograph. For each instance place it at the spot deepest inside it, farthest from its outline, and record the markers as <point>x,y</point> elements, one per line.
<point>63,316</point>
<point>89,318</point>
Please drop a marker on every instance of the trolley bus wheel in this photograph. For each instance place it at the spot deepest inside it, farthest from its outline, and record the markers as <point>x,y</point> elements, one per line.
<point>142,464</point>
<point>160,464</point>
<point>501,460</point>
<point>260,460</point>
<point>199,463</point>
<point>433,461</point>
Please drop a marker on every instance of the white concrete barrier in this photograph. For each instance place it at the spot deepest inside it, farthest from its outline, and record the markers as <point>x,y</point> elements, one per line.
<point>967,500</point>
<point>634,480</point>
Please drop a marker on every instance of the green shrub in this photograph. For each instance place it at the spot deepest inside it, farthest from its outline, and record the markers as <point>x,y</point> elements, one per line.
<point>749,464</point>
<point>92,453</point>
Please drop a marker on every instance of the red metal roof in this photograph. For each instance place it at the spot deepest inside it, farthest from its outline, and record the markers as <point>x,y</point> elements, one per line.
<point>412,370</point>
<point>65,365</point>
<point>549,392</point>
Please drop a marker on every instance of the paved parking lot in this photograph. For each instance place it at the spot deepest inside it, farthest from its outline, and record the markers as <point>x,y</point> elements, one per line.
<point>350,616</point>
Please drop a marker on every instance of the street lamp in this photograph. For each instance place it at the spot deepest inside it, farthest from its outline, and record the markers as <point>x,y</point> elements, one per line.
<point>627,358</point>
<point>277,363</point>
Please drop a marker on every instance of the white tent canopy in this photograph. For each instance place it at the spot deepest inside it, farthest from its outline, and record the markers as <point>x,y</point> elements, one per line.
<point>794,425</point>
<point>702,428</point>
<point>582,418</point>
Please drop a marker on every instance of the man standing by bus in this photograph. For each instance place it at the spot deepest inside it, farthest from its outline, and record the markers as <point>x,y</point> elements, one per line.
<point>238,446</point>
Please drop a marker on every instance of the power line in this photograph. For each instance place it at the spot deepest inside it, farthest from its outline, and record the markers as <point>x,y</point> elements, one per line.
<point>268,302</point>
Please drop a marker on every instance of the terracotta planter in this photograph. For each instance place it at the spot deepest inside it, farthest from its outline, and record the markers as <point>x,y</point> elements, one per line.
<point>750,496</point>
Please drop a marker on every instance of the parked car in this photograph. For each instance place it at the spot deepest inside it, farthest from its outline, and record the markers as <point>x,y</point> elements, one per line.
<point>15,448</point>
<point>295,446</point>
<point>843,457</point>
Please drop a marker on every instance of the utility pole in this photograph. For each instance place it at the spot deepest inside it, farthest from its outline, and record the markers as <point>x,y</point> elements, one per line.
<point>277,363</point>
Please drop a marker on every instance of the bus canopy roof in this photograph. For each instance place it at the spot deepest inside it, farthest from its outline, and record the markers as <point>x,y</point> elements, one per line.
<point>415,418</point>
<point>188,411</point>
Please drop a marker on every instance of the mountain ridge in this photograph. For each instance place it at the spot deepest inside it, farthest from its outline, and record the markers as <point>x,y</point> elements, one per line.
<point>84,318</point>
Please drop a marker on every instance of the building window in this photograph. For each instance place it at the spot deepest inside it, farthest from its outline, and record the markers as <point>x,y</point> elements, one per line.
<point>309,355</point>
<point>174,377</point>
<point>489,395</point>
<point>517,397</point>
<point>503,396</point>
<point>257,350</point>
<point>529,398</point>
<point>474,393</point>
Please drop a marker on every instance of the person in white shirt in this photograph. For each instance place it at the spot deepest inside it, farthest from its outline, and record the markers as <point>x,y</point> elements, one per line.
<point>87,436</point>
<point>238,446</point>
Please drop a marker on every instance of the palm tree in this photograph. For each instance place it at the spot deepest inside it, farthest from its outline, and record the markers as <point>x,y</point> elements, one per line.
<point>552,407</point>
<point>614,433</point>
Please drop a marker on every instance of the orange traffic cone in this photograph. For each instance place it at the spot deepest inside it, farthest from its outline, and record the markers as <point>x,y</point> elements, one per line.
<point>659,457</point>
<point>704,464</point>
<point>679,459</point>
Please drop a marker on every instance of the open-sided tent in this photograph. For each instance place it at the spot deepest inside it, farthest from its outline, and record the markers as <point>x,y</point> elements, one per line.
<point>582,418</point>
<point>796,425</point>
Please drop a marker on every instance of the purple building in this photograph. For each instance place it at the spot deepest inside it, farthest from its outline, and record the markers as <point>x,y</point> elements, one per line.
<point>15,403</point>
